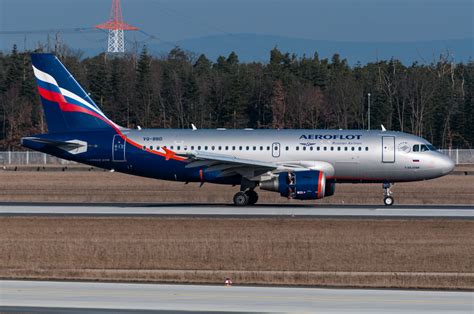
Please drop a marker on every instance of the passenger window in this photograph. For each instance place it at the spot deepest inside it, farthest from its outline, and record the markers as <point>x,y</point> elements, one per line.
<point>311,148</point>
<point>233,147</point>
<point>185,147</point>
<point>360,148</point>
<point>247,147</point>
<point>213,147</point>
<point>151,147</point>
<point>255,148</point>
<point>286,148</point>
<point>240,147</point>
<point>297,148</point>
<point>339,148</point>
<point>144,147</point>
<point>325,148</point>
<point>199,147</point>
<point>332,148</point>
<point>317,148</point>
<point>227,148</point>
<point>171,147</point>
<point>192,147</point>
<point>205,147</point>
<point>345,148</point>
<point>366,149</point>
<point>416,148</point>
<point>304,147</point>
<point>353,148</point>
<point>261,147</point>
<point>178,148</point>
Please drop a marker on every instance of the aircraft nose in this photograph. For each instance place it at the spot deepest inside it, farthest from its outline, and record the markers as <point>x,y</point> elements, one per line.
<point>447,164</point>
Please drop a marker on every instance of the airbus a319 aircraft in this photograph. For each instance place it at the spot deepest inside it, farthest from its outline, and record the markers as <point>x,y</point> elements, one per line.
<point>297,164</point>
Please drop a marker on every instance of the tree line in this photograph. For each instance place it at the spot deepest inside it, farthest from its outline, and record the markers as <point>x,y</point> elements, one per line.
<point>433,100</point>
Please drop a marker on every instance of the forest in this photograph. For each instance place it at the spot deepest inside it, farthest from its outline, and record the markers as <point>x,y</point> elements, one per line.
<point>431,99</point>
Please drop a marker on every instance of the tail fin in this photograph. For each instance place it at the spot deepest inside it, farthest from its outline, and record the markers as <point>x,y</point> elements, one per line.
<point>67,107</point>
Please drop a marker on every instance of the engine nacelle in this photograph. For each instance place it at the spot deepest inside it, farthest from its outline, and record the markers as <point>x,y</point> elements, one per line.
<point>301,185</point>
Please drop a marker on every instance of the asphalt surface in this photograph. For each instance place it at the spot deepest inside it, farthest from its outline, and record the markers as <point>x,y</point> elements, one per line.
<point>266,210</point>
<point>98,297</point>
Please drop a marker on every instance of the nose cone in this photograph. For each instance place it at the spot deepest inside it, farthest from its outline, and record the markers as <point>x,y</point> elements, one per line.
<point>446,164</point>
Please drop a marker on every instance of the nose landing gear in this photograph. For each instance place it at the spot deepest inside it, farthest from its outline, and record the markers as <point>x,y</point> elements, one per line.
<point>388,199</point>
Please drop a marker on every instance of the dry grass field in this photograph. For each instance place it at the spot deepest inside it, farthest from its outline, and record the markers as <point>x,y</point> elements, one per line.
<point>291,251</point>
<point>369,253</point>
<point>100,186</point>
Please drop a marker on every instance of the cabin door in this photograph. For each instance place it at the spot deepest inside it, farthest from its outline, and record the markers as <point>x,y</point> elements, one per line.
<point>118,148</point>
<point>388,148</point>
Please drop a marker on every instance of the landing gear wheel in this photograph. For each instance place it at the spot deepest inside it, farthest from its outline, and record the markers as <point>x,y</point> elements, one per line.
<point>388,201</point>
<point>241,199</point>
<point>253,197</point>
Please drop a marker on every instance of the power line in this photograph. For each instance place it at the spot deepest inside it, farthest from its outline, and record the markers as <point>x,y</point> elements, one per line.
<point>75,30</point>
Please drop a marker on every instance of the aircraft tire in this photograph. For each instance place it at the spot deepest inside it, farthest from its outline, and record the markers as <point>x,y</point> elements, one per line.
<point>388,201</point>
<point>253,197</point>
<point>241,199</point>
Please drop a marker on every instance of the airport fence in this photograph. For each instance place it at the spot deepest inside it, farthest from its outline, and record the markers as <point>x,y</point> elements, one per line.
<point>459,156</point>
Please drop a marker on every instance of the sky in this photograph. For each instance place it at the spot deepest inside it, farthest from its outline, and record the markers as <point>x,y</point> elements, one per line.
<point>173,20</point>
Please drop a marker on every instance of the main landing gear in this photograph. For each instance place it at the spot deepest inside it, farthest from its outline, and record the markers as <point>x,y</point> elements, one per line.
<point>249,197</point>
<point>247,194</point>
<point>388,199</point>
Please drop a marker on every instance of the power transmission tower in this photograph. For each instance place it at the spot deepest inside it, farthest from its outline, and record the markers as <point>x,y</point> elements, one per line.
<point>116,27</point>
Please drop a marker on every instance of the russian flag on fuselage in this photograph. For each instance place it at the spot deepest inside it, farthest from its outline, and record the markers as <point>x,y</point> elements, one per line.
<point>66,105</point>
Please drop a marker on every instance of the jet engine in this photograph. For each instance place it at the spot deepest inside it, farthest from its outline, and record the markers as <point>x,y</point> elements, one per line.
<point>301,185</point>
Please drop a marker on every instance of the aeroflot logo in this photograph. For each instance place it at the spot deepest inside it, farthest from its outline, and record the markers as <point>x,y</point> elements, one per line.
<point>330,137</point>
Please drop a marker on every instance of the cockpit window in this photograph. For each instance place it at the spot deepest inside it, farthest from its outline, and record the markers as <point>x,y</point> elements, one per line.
<point>423,148</point>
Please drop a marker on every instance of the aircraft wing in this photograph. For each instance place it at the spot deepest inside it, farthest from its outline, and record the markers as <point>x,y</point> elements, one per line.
<point>229,165</point>
<point>251,169</point>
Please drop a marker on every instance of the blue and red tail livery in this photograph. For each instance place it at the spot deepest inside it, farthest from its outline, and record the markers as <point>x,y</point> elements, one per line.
<point>298,164</point>
<point>66,105</point>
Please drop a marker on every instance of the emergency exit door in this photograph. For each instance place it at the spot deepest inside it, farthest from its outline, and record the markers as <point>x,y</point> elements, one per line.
<point>388,148</point>
<point>276,150</point>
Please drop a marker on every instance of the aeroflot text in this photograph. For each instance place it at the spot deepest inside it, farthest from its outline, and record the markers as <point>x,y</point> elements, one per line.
<point>330,137</point>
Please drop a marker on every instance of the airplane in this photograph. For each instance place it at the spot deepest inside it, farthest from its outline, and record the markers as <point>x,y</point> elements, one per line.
<point>297,164</point>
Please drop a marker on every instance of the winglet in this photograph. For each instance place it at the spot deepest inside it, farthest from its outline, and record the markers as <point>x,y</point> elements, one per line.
<point>169,153</point>
<point>383,128</point>
<point>194,127</point>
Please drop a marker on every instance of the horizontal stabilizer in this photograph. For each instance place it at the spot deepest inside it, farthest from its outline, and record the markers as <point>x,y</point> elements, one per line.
<point>73,146</point>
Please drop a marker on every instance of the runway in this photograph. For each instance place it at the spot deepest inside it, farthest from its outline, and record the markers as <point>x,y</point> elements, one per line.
<point>265,210</point>
<point>74,297</point>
